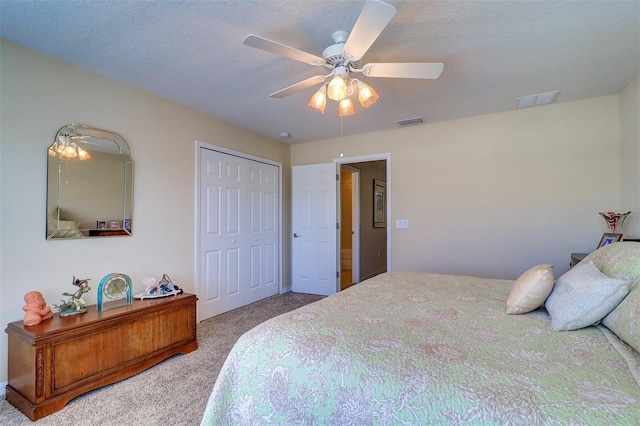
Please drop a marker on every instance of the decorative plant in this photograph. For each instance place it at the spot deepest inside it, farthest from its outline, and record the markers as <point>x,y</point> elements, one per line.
<point>75,304</point>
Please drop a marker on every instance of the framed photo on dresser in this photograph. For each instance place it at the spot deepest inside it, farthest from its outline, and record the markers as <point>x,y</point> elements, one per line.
<point>608,239</point>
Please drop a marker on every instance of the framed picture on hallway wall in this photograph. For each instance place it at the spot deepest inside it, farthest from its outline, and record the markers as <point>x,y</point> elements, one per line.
<point>379,204</point>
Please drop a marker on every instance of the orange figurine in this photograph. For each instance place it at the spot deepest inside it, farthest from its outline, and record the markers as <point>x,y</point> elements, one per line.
<point>36,309</point>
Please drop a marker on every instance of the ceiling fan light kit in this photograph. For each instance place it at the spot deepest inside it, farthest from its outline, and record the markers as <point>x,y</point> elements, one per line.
<point>340,92</point>
<point>343,57</point>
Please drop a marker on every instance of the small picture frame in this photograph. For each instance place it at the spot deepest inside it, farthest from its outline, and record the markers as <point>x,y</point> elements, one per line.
<point>379,204</point>
<point>101,225</point>
<point>609,239</point>
<point>115,224</point>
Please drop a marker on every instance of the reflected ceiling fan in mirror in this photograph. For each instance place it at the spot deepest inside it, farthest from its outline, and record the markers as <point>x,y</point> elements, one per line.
<point>65,145</point>
<point>343,58</point>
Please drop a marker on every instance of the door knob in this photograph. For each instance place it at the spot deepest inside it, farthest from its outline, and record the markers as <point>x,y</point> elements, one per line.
<point>295,235</point>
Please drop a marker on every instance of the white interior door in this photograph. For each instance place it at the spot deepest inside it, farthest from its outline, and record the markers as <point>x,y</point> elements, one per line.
<point>238,258</point>
<point>314,229</point>
<point>263,231</point>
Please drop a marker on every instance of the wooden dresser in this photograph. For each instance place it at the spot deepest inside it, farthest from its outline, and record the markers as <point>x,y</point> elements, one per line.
<point>63,357</point>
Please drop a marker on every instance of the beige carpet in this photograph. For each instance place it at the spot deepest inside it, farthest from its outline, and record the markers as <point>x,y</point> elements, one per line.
<point>175,391</point>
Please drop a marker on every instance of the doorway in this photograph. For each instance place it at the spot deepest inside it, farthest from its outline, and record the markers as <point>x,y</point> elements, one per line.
<point>349,226</point>
<point>316,223</point>
<point>363,241</point>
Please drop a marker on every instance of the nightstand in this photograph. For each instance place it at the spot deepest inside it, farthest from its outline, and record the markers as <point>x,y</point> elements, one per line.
<point>576,258</point>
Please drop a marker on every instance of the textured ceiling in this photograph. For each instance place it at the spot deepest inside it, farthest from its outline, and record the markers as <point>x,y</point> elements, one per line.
<point>192,52</point>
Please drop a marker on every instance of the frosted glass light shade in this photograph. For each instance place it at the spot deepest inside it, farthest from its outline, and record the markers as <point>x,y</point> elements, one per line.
<point>319,100</point>
<point>337,89</point>
<point>83,155</point>
<point>366,95</point>
<point>346,108</point>
<point>69,152</point>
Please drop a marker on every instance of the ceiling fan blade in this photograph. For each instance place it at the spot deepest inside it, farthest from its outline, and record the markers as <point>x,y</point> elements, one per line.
<point>299,86</point>
<point>282,50</point>
<point>398,70</point>
<point>372,20</point>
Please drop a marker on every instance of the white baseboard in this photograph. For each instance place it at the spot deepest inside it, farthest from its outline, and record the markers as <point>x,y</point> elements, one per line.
<point>285,290</point>
<point>3,389</point>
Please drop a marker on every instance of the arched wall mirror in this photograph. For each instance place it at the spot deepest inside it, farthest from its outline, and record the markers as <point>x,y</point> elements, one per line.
<point>89,184</point>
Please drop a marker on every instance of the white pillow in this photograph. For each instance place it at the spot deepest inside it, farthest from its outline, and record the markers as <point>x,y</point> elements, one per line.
<point>530,290</point>
<point>583,296</point>
<point>64,229</point>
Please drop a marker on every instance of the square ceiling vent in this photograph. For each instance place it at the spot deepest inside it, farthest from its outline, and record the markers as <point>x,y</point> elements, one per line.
<point>539,99</point>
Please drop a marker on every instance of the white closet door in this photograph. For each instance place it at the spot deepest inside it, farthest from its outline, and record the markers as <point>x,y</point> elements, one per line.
<point>263,231</point>
<point>239,225</point>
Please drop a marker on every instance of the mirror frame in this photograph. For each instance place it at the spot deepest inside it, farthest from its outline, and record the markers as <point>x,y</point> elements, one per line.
<point>79,142</point>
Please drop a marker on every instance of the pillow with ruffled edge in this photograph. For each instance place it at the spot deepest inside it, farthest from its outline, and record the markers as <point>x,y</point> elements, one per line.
<point>583,296</point>
<point>622,260</point>
<point>530,290</point>
<point>618,260</point>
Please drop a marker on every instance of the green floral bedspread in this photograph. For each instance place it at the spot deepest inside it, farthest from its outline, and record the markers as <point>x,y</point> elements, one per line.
<point>421,348</point>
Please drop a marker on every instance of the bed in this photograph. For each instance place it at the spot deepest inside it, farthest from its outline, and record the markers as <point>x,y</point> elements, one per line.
<point>422,348</point>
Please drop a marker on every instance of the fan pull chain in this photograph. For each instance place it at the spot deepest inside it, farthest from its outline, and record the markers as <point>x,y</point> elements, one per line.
<point>341,136</point>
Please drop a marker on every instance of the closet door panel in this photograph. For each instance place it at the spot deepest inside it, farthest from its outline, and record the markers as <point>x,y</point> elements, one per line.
<point>238,231</point>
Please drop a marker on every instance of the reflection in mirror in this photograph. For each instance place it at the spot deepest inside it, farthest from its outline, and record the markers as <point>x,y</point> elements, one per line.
<point>89,184</point>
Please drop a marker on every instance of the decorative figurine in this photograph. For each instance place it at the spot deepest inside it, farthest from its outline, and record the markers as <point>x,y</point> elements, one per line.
<point>75,304</point>
<point>165,287</point>
<point>36,309</point>
<point>149,284</point>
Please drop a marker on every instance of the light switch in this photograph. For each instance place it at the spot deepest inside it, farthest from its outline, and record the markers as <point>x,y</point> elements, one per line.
<point>402,223</point>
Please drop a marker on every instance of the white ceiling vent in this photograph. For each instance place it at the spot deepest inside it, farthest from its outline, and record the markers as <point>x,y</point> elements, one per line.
<point>539,99</point>
<point>410,121</point>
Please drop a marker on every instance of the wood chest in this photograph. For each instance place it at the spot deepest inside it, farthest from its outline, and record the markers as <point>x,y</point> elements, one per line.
<point>63,357</point>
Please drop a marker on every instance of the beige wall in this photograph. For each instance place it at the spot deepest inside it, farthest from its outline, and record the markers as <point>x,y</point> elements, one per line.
<point>630,154</point>
<point>495,194</point>
<point>41,94</point>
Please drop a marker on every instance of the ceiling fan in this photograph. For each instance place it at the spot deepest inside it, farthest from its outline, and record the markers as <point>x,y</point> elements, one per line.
<point>344,57</point>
